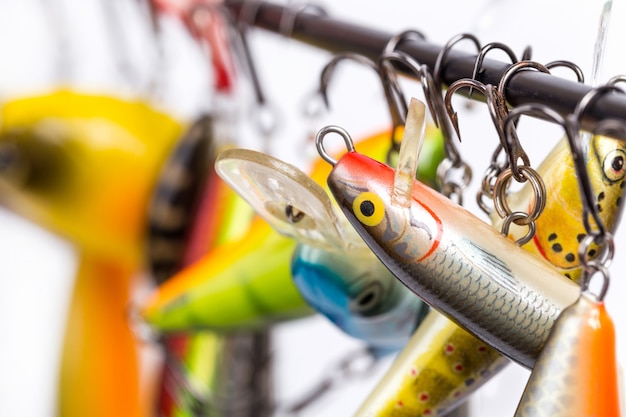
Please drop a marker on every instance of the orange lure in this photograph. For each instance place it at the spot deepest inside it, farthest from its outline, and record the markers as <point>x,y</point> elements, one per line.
<point>576,374</point>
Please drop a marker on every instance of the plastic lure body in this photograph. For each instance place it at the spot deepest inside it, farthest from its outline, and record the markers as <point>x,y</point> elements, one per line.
<point>458,264</point>
<point>442,364</point>
<point>576,374</point>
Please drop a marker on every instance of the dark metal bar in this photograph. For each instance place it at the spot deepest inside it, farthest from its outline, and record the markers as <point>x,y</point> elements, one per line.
<point>337,36</point>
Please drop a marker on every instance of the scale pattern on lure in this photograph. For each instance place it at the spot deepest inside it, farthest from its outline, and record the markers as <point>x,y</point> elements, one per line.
<point>576,374</point>
<point>356,292</point>
<point>559,229</point>
<point>454,261</point>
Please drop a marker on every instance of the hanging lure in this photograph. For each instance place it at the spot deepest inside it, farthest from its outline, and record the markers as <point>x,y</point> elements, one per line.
<point>240,285</point>
<point>355,292</point>
<point>173,201</point>
<point>454,261</point>
<point>576,373</point>
<point>427,378</point>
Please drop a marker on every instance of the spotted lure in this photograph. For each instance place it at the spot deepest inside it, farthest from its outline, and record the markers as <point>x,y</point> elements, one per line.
<point>458,264</point>
<point>559,229</point>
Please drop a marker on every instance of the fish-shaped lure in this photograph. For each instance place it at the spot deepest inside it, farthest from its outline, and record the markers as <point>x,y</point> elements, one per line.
<point>458,264</point>
<point>334,271</point>
<point>576,374</point>
<point>245,284</point>
<point>559,229</point>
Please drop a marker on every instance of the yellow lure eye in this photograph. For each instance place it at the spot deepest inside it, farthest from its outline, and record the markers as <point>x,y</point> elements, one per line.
<point>368,208</point>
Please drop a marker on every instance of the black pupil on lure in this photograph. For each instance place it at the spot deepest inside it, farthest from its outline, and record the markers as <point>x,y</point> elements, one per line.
<point>367,298</point>
<point>367,208</point>
<point>618,163</point>
<point>293,214</point>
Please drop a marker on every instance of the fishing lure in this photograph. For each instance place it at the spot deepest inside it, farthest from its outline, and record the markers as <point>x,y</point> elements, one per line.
<point>83,166</point>
<point>174,200</point>
<point>244,284</point>
<point>356,292</point>
<point>458,264</point>
<point>191,211</point>
<point>576,373</point>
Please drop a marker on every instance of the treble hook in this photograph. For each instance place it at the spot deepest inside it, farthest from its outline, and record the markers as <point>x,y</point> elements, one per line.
<point>444,53</point>
<point>481,56</point>
<point>395,98</point>
<point>571,126</point>
<point>396,102</point>
<point>589,204</point>
<point>332,64</point>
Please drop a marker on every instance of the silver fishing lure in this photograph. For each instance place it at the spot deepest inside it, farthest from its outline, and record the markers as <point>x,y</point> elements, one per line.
<point>458,264</point>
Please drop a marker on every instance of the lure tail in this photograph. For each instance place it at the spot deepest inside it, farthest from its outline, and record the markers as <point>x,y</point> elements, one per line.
<point>576,373</point>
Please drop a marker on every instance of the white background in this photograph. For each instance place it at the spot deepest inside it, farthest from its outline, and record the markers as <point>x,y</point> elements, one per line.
<point>36,268</point>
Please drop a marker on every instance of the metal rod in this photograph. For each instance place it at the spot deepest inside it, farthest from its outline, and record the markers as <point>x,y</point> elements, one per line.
<point>338,36</point>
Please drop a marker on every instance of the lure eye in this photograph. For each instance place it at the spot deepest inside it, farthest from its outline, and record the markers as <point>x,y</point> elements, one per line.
<point>614,165</point>
<point>368,298</point>
<point>369,208</point>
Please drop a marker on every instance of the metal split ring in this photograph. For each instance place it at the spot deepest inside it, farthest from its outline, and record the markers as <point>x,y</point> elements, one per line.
<point>603,241</point>
<point>519,218</point>
<point>499,192</point>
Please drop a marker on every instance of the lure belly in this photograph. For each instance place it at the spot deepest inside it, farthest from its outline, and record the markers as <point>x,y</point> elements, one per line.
<point>454,261</point>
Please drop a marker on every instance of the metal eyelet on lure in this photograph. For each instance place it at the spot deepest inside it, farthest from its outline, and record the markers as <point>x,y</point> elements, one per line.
<point>357,293</point>
<point>455,262</point>
<point>579,356</point>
